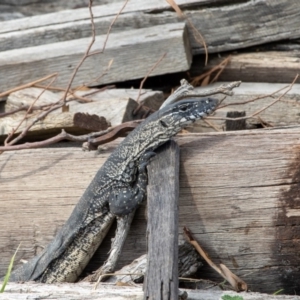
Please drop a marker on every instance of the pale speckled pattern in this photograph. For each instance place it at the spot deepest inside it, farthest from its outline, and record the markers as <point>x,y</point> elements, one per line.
<point>122,178</point>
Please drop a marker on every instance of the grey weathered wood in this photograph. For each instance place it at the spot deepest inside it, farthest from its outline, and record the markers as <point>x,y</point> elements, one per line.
<point>238,195</point>
<point>282,113</point>
<point>116,106</point>
<point>161,280</point>
<point>261,66</point>
<point>150,98</point>
<point>85,291</point>
<point>188,263</point>
<point>134,53</point>
<point>224,26</point>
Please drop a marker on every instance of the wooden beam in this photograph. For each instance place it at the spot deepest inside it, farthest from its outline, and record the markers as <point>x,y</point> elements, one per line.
<point>162,231</point>
<point>132,54</point>
<point>261,66</point>
<point>85,291</point>
<point>238,195</point>
<point>224,26</point>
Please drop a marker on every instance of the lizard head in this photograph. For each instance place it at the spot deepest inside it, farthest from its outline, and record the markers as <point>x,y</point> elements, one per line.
<point>177,116</point>
<point>162,125</point>
<point>167,122</point>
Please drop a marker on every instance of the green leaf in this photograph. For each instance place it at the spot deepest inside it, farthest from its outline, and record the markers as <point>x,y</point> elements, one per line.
<point>228,297</point>
<point>6,278</point>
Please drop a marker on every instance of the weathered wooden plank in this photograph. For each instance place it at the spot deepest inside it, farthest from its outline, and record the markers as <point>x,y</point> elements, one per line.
<point>116,106</point>
<point>263,66</point>
<point>162,231</point>
<point>111,108</point>
<point>134,53</point>
<point>112,9</point>
<point>224,26</point>
<point>85,291</point>
<point>239,196</point>
<point>282,113</point>
<point>150,98</point>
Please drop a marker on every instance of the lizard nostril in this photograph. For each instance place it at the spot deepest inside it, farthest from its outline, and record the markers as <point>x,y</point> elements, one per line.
<point>164,124</point>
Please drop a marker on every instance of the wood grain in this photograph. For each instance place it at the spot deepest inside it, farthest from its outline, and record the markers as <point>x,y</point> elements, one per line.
<point>261,66</point>
<point>161,280</point>
<point>134,52</point>
<point>116,106</point>
<point>85,291</point>
<point>224,26</point>
<point>239,196</point>
<point>282,113</point>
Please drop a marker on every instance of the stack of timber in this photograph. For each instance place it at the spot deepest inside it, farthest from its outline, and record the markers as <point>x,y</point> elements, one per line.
<point>238,191</point>
<point>145,30</point>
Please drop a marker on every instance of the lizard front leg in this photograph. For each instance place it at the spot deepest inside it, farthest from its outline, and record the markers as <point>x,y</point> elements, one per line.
<point>123,203</point>
<point>125,199</point>
<point>123,226</point>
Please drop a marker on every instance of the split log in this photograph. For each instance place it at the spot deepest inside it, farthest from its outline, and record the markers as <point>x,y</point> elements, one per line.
<point>147,97</point>
<point>224,26</point>
<point>262,66</point>
<point>110,107</point>
<point>238,195</point>
<point>85,291</point>
<point>132,53</point>
<point>161,280</point>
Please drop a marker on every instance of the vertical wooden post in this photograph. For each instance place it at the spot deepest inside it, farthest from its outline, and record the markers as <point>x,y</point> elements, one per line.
<point>161,280</point>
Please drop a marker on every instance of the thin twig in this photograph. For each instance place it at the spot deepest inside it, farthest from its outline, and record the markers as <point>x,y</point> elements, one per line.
<point>116,132</point>
<point>237,283</point>
<point>109,29</point>
<point>60,137</point>
<point>220,67</point>
<point>255,99</point>
<point>85,55</point>
<point>40,117</point>
<point>104,72</point>
<point>262,109</point>
<point>27,85</point>
<point>73,92</point>
<point>212,125</point>
<point>88,52</point>
<point>186,90</point>
<point>25,130</point>
<point>196,33</point>
<point>147,75</point>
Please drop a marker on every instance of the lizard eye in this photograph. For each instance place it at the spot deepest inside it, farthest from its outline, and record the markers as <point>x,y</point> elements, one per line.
<point>183,108</point>
<point>164,124</point>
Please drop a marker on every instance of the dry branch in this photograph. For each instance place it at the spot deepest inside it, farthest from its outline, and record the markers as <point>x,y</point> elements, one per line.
<point>189,92</point>
<point>196,33</point>
<point>288,88</point>
<point>147,75</point>
<point>30,84</point>
<point>237,283</point>
<point>24,131</point>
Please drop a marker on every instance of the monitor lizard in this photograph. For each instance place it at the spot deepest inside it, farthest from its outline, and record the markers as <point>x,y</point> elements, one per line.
<point>116,190</point>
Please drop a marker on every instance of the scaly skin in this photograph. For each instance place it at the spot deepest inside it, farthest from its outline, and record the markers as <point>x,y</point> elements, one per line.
<point>117,189</point>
